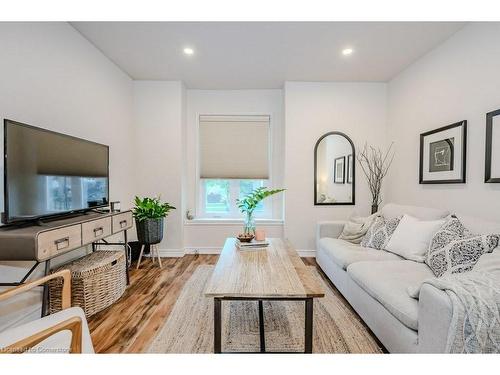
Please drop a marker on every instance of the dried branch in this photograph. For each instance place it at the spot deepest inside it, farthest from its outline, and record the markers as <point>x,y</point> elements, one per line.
<point>375,165</point>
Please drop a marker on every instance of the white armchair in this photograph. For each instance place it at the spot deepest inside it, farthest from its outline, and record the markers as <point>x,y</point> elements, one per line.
<point>62,332</point>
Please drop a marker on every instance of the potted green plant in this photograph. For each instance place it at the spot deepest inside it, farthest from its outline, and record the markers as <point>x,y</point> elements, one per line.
<point>149,214</point>
<point>247,206</point>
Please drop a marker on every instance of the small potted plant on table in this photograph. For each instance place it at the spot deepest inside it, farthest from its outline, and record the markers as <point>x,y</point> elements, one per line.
<point>247,205</point>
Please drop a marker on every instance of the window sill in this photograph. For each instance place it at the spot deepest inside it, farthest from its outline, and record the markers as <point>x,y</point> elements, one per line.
<point>232,222</point>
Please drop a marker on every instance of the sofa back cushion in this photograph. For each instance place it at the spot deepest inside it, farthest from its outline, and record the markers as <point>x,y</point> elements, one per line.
<point>489,262</point>
<point>480,226</point>
<point>393,210</point>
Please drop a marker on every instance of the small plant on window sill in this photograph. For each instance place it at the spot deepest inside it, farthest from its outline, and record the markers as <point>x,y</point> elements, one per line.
<point>247,205</point>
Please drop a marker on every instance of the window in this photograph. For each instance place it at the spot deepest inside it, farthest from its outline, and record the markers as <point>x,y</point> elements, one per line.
<point>218,198</point>
<point>233,161</point>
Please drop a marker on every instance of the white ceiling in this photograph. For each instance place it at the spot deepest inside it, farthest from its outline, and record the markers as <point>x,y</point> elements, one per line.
<point>245,55</point>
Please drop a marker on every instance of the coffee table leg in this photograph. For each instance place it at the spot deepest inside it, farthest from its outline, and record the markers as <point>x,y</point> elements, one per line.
<point>217,325</point>
<point>308,326</point>
<point>261,328</point>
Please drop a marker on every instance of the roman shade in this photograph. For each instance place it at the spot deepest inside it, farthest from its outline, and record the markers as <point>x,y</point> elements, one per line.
<point>234,147</point>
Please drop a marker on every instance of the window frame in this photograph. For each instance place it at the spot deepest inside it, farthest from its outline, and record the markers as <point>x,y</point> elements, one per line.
<point>234,213</point>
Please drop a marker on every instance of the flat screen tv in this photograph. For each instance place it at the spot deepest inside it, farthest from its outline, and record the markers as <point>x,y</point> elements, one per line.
<point>49,174</point>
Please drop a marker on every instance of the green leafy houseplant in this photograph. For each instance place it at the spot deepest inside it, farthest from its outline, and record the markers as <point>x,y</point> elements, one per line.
<point>149,214</point>
<point>249,203</point>
<point>150,208</point>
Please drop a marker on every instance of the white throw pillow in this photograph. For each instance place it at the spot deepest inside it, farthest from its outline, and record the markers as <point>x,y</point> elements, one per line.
<point>412,237</point>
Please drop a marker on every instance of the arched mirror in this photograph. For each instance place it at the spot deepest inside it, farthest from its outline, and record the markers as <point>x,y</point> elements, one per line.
<point>334,170</point>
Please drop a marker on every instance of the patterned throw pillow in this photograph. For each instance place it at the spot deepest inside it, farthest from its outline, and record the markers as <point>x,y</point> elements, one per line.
<point>380,233</point>
<point>454,249</point>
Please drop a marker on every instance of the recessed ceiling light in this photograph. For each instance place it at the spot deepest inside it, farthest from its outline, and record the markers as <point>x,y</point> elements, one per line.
<point>188,51</point>
<point>347,51</point>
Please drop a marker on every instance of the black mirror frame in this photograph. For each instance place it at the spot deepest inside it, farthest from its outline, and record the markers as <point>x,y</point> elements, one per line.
<point>489,145</point>
<point>353,185</point>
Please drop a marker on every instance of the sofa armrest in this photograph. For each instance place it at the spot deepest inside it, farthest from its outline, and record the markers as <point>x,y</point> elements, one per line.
<point>434,318</point>
<point>330,229</point>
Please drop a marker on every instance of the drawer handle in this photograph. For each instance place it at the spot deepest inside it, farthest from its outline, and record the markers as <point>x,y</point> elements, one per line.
<point>62,243</point>
<point>123,223</point>
<point>98,231</point>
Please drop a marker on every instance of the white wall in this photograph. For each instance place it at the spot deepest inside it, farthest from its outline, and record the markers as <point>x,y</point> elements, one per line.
<point>459,80</point>
<point>209,236</point>
<point>51,77</point>
<point>159,152</point>
<point>311,110</point>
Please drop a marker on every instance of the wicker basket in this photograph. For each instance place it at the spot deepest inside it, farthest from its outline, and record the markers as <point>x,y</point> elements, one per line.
<point>97,281</point>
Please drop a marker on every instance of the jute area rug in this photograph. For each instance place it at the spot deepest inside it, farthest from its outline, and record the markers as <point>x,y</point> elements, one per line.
<point>189,327</point>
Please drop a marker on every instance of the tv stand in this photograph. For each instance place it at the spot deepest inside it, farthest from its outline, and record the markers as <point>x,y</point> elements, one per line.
<point>40,223</point>
<point>45,240</point>
<point>101,211</point>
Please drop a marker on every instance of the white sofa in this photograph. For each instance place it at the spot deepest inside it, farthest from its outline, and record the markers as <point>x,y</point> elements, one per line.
<point>375,283</point>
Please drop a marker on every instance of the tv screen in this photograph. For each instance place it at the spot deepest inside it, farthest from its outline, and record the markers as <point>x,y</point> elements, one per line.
<point>48,173</point>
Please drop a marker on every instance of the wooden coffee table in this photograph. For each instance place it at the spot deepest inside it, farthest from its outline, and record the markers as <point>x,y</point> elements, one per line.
<point>276,273</point>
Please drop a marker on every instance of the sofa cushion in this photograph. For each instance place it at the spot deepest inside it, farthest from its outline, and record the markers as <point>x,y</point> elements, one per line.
<point>344,253</point>
<point>392,210</point>
<point>454,249</point>
<point>412,237</point>
<point>489,262</point>
<point>476,225</point>
<point>355,229</point>
<point>387,282</point>
<point>380,232</point>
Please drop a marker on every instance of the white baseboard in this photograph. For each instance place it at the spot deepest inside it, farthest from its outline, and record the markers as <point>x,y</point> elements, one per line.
<point>307,253</point>
<point>207,250</point>
<point>171,253</point>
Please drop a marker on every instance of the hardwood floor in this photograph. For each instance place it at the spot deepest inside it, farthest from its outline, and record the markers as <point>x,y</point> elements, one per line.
<point>129,325</point>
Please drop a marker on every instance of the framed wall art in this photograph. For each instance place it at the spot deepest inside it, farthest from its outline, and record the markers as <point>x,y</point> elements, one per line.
<point>349,169</point>
<point>492,158</point>
<point>339,170</point>
<point>443,154</point>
